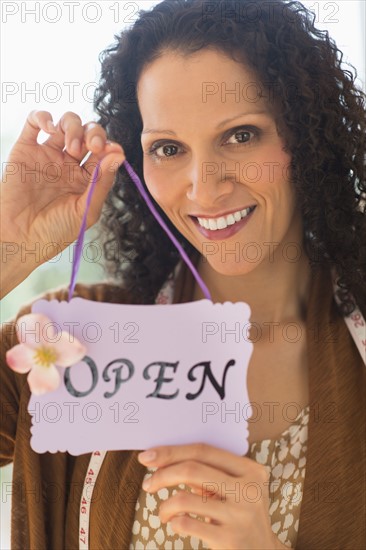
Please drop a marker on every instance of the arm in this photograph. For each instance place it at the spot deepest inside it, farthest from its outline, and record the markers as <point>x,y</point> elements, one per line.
<point>43,211</point>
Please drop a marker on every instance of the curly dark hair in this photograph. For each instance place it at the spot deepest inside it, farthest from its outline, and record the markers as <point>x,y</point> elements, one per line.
<point>319,112</point>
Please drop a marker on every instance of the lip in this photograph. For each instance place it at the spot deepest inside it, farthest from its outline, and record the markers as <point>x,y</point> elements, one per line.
<point>221,214</point>
<point>226,233</point>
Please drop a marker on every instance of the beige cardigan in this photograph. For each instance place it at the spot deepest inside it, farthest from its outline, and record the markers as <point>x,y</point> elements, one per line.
<point>47,487</point>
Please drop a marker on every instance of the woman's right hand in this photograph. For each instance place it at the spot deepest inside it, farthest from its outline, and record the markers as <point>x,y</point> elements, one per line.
<point>44,188</point>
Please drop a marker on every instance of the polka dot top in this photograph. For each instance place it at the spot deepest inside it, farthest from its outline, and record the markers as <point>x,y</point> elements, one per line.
<point>285,459</point>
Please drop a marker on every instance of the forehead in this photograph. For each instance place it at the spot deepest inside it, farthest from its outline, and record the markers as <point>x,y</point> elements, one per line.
<point>207,80</point>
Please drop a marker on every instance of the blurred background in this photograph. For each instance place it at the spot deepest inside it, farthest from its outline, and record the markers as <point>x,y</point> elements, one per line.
<point>49,61</point>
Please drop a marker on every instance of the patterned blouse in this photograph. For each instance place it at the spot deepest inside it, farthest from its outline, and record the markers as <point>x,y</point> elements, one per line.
<point>285,459</point>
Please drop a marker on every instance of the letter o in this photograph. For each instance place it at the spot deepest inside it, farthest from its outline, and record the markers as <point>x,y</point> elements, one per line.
<point>85,410</point>
<point>249,326</point>
<point>93,490</point>
<point>98,253</point>
<point>58,412</point>
<point>245,492</point>
<point>94,371</point>
<point>52,178</point>
<point>257,247</point>
<point>285,492</point>
<point>85,332</point>
<point>55,334</point>
<point>258,172</point>
<point>45,12</point>
<point>94,5</point>
<point>286,256</point>
<point>298,333</point>
<point>284,411</point>
<point>246,95</point>
<point>91,168</point>
<point>52,246</point>
<point>255,405</point>
<point>257,17</point>
<point>57,496</point>
<point>244,411</point>
<point>58,92</point>
<point>85,89</point>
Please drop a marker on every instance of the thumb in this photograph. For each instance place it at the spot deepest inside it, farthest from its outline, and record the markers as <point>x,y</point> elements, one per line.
<point>113,159</point>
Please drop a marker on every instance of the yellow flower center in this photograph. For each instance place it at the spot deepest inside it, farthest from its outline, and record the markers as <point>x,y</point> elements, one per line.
<point>45,357</point>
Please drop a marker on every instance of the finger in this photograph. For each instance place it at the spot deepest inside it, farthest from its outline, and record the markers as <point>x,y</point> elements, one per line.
<point>191,473</point>
<point>207,532</point>
<point>69,135</point>
<point>186,503</point>
<point>36,121</point>
<point>92,160</point>
<point>90,138</point>
<point>217,458</point>
<point>107,172</point>
<point>95,137</point>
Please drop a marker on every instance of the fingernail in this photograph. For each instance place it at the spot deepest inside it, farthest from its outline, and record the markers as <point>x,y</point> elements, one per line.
<point>75,146</point>
<point>97,142</point>
<point>147,456</point>
<point>146,484</point>
<point>51,127</point>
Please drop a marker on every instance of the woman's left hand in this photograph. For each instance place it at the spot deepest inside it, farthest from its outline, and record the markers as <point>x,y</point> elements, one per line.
<point>230,492</point>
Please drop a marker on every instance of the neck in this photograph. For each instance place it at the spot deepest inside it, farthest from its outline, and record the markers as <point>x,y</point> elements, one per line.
<point>276,290</point>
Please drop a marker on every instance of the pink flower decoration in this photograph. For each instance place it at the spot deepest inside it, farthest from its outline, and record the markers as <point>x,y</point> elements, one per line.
<point>41,348</point>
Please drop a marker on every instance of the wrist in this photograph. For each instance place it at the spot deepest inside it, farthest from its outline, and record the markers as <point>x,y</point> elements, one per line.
<point>15,266</point>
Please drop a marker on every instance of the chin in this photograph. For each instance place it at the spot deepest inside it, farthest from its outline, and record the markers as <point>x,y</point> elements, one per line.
<point>231,267</point>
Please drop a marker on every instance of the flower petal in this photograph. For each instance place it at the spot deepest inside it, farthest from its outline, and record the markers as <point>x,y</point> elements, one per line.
<point>20,358</point>
<point>36,329</point>
<point>69,350</point>
<point>43,379</point>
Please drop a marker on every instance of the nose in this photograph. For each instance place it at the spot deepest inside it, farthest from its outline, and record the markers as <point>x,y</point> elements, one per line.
<point>210,181</point>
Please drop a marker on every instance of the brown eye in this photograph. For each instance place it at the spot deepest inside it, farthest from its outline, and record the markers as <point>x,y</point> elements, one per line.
<point>164,151</point>
<point>169,150</point>
<point>241,136</point>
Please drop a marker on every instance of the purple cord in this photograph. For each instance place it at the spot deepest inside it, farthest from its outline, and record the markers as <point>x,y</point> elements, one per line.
<point>136,180</point>
<point>80,240</point>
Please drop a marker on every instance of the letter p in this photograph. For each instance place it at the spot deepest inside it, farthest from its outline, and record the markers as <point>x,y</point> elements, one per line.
<point>209,88</point>
<point>209,329</point>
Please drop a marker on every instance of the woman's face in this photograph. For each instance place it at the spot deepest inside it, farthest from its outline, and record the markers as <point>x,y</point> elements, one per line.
<point>213,159</point>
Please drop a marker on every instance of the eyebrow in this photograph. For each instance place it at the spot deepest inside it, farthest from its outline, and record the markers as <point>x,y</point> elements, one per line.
<point>226,121</point>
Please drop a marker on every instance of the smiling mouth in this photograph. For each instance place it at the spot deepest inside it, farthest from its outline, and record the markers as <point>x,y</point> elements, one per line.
<point>222,222</point>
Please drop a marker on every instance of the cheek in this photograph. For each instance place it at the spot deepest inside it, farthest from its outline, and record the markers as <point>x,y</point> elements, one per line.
<point>270,175</point>
<point>163,185</point>
<point>155,183</point>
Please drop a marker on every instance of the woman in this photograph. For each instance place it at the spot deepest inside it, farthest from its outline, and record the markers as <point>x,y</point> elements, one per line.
<point>251,139</point>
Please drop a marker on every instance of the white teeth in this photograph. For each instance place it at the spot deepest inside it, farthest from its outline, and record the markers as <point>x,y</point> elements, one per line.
<point>204,222</point>
<point>212,224</point>
<point>223,221</point>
